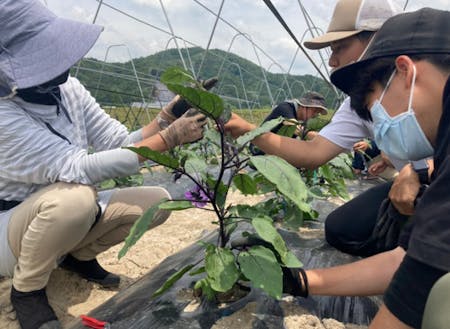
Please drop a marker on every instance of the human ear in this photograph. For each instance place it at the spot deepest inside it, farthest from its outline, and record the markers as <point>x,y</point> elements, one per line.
<point>406,69</point>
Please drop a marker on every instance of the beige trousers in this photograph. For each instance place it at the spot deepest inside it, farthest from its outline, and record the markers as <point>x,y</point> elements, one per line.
<point>58,220</point>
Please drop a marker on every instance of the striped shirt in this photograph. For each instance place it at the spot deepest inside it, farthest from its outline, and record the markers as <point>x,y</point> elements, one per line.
<point>39,147</point>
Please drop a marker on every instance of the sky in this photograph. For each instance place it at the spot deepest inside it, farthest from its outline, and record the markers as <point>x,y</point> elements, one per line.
<point>247,27</point>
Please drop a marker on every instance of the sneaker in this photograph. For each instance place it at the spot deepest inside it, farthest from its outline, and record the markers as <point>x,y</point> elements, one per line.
<point>90,270</point>
<point>33,310</point>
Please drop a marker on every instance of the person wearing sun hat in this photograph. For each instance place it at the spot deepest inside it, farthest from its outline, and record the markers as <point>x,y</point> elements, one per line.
<point>349,227</point>
<point>402,85</point>
<point>310,105</point>
<point>50,213</point>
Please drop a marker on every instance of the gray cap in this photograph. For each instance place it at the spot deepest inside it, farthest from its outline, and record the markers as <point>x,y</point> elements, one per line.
<point>313,99</point>
<point>37,46</point>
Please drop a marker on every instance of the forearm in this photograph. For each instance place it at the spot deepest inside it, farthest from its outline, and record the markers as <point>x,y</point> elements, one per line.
<point>155,142</point>
<point>151,129</point>
<point>369,276</point>
<point>301,154</point>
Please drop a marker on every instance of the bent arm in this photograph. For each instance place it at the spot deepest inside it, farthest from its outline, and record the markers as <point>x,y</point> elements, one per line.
<point>301,154</point>
<point>369,276</point>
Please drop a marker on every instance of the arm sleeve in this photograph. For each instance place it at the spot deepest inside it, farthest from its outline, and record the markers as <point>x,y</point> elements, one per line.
<point>102,131</point>
<point>346,127</point>
<point>430,236</point>
<point>31,154</point>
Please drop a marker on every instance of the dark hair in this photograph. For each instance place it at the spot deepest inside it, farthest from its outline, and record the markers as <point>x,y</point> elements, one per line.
<point>365,35</point>
<point>378,71</point>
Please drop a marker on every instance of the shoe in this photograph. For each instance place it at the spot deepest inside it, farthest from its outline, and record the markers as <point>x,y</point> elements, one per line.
<point>90,270</point>
<point>33,310</point>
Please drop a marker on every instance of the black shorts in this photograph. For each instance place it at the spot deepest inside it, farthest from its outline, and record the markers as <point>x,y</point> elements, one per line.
<point>409,289</point>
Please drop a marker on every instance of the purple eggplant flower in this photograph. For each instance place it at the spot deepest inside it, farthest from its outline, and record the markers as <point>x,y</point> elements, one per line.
<point>197,197</point>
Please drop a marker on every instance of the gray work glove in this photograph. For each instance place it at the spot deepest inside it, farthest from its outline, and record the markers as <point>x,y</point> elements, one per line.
<point>188,128</point>
<point>178,106</point>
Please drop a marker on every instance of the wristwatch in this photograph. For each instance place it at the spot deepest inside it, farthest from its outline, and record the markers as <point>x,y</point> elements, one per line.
<point>421,168</point>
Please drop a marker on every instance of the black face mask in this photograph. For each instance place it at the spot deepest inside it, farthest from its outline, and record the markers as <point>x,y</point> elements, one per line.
<point>47,93</point>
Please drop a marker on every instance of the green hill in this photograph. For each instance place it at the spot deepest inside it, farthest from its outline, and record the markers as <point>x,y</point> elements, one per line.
<point>117,85</point>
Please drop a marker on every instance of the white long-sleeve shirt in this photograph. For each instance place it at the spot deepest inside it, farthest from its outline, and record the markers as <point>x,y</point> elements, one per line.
<point>32,156</point>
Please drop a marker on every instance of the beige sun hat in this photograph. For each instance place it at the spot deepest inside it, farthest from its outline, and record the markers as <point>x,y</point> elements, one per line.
<point>351,17</point>
<point>37,46</point>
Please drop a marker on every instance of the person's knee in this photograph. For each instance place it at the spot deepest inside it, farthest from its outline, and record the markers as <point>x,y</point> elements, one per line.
<point>334,229</point>
<point>161,215</point>
<point>72,205</point>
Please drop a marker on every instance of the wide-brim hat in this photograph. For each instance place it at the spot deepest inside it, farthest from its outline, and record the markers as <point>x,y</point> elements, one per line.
<point>351,17</point>
<point>37,46</point>
<point>425,31</point>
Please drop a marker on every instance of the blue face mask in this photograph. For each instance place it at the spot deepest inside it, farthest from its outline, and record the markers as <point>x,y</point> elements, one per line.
<point>400,137</point>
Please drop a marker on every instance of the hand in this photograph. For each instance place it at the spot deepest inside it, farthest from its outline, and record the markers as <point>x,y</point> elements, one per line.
<point>404,190</point>
<point>238,126</point>
<point>295,281</point>
<point>377,167</point>
<point>188,128</point>
<point>178,106</point>
<point>360,146</point>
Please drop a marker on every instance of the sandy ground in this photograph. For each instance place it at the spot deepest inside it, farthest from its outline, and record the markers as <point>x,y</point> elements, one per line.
<point>72,296</point>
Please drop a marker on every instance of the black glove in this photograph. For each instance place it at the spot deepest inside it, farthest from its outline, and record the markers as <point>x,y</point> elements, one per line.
<point>181,106</point>
<point>292,284</point>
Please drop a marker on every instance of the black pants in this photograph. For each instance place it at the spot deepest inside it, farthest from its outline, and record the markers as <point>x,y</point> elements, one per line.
<point>350,225</point>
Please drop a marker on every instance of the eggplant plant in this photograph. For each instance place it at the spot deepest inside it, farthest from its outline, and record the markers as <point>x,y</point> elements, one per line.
<point>216,164</point>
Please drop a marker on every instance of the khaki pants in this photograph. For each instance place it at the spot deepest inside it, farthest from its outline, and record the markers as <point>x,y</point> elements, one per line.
<point>58,220</point>
<point>437,308</point>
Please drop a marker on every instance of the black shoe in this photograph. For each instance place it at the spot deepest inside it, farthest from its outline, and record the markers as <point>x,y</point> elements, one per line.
<point>33,310</point>
<point>181,106</point>
<point>91,270</point>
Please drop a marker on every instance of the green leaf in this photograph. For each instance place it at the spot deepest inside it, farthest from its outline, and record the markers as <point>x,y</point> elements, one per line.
<point>221,268</point>
<point>176,205</point>
<point>140,227</point>
<point>293,218</point>
<point>245,184</point>
<point>286,178</point>
<point>260,266</point>
<point>265,127</point>
<point>265,229</point>
<point>177,75</point>
<point>287,130</point>
<point>197,271</point>
<point>213,136</point>
<point>245,210</point>
<point>292,261</point>
<point>108,184</point>
<point>203,100</point>
<point>195,166</point>
<point>171,280</point>
<point>206,289</point>
<point>325,171</point>
<point>156,156</point>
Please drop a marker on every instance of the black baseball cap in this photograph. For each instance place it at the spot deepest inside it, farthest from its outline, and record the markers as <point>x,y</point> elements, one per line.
<point>425,31</point>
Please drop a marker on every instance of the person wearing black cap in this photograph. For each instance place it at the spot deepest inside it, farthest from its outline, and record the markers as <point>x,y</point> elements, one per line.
<point>310,105</point>
<point>402,84</point>
<point>56,143</point>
